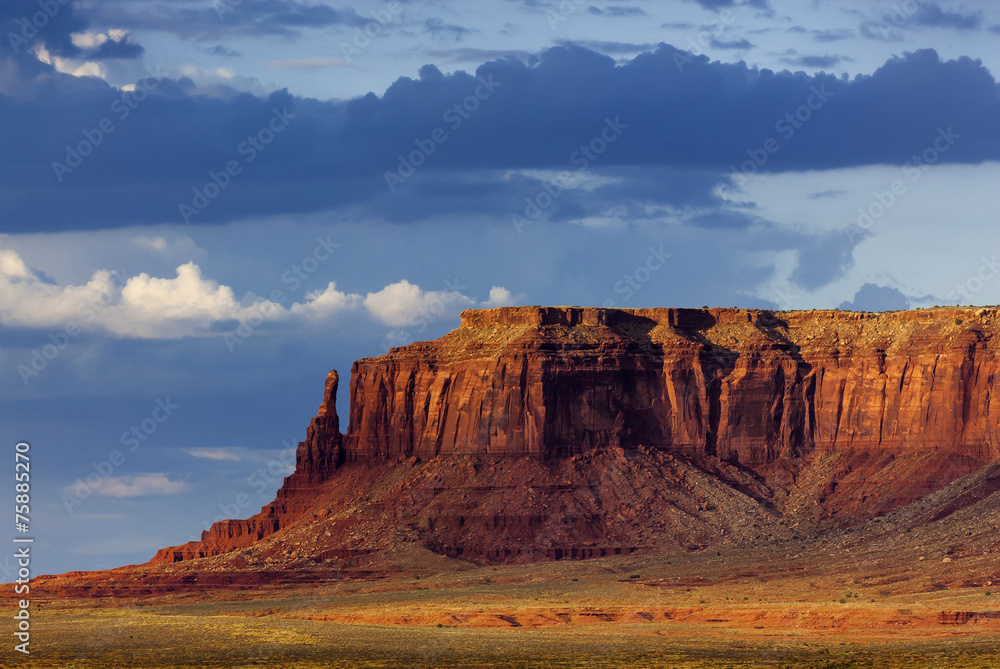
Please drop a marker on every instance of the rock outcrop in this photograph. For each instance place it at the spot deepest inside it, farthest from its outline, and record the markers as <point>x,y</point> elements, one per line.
<point>850,414</point>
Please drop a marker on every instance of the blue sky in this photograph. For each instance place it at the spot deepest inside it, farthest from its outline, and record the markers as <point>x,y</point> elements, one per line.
<point>206,205</point>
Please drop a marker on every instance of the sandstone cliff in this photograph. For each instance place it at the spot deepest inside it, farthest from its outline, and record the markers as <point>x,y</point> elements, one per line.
<point>834,415</point>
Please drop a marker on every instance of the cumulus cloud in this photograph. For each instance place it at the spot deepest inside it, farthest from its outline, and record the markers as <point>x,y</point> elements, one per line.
<point>321,304</point>
<point>398,304</point>
<point>501,297</point>
<point>190,304</point>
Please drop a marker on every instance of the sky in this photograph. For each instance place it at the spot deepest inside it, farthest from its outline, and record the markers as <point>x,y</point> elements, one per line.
<point>205,205</point>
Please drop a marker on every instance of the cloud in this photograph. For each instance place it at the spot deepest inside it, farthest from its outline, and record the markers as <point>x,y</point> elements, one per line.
<point>832,34</point>
<point>816,61</point>
<point>607,47</point>
<point>223,50</point>
<point>716,5</point>
<point>140,485</point>
<point>679,113</point>
<point>872,297</point>
<point>214,453</point>
<point>926,15</point>
<point>116,44</point>
<point>303,64</point>
<point>325,303</point>
<point>824,258</point>
<point>474,55</point>
<point>501,297</point>
<point>438,29</point>
<point>215,20</point>
<point>190,305</point>
<point>617,11</point>
<point>931,14</point>
<point>161,246</point>
<point>741,43</point>
<point>400,303</point>
<point>56,36</point>
<point>826,193</point>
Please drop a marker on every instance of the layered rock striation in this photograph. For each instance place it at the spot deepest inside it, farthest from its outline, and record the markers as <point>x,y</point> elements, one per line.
<point>910,396</point>
<point>747,386</point>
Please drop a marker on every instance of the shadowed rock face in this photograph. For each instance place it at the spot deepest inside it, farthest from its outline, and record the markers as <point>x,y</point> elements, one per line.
<point>748,386</point>
<point>910,397</point>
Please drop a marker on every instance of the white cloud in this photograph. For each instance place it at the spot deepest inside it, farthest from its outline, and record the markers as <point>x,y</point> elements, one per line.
<point>190,304</point>
<point>13,266</point>
<point>214,453</point>
<point>401,303</point>
<point>321,304</point>
<point>501,297</point>
<point>140,485</point>
<point>77,68</point>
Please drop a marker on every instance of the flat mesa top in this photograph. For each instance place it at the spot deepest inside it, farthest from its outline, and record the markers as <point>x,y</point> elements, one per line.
<point>698,319</point>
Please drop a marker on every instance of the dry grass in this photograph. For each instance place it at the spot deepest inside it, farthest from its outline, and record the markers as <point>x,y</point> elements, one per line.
<point>684,611</point>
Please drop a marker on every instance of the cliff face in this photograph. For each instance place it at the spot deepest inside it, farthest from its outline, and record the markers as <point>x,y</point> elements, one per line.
<point>747,386</point>
<point>316,459</point>
<point>902,403</point>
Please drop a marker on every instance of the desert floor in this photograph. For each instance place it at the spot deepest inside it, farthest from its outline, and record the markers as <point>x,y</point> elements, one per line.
<point>690,610</point>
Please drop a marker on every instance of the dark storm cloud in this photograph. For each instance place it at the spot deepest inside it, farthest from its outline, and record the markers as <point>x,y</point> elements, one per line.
<point>872,297</point>
<point>661,113</point>
<point>282,18</point>
<point>23,24</point>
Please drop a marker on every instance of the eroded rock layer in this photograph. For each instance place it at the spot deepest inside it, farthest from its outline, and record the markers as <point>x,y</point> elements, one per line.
<point>842,414</point>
